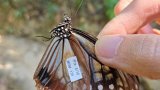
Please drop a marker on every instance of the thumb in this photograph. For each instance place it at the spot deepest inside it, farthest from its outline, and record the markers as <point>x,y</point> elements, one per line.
<point>137,54</point>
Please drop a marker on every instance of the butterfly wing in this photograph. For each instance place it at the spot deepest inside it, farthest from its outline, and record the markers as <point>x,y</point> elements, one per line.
<point>104,76</point>
<point>52,72</point>
<point>49,64</point>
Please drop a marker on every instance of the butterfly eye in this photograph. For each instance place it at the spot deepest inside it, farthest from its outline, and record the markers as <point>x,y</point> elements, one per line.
<point>70,63</point>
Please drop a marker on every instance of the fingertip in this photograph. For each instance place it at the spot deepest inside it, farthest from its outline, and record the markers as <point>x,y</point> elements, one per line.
<point>107,45</point>
<point>156,31</point>
<point>113,28</point>
<point>122,4</point>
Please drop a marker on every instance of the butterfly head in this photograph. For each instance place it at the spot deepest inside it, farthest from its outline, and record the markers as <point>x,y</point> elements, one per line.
<point>67,19</point>
<point>63,29</point>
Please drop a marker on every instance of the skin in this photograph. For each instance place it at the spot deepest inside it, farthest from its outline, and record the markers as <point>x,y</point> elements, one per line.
<point>128,42</point>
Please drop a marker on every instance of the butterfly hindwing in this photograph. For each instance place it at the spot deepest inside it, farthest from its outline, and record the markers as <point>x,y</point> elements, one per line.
<point>111,79</point>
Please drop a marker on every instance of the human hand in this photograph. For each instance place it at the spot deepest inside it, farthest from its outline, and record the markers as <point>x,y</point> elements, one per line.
<point>128,42</point>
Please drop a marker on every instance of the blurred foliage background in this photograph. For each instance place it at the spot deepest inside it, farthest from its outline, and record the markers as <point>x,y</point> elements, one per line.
<point>22,20</point>
<point>33,17</point>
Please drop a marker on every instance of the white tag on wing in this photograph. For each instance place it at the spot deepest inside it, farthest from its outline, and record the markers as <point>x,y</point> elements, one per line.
<point>73,69</point>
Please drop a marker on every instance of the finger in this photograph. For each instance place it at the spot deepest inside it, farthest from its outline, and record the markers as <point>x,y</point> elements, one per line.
<point>132,18</point>
<point>121,5</point>
<point>136,54</point>
<point>147,29</point>
<point>156,31</point>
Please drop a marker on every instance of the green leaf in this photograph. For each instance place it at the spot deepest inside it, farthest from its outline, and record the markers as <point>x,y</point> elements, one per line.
<point>109,6</point>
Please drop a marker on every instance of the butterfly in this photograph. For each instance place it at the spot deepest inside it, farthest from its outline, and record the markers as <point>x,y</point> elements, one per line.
<point>70,63</point>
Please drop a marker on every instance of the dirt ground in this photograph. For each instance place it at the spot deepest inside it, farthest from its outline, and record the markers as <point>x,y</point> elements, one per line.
<point>18,60</point>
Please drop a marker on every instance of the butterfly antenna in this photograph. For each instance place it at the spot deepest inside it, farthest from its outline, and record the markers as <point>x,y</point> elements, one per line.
<point>80,5</point>
<point>45,38</point>
<point>70,8</point>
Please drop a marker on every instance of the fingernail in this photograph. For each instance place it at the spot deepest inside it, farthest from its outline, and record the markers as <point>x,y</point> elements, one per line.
<point>107,46</point>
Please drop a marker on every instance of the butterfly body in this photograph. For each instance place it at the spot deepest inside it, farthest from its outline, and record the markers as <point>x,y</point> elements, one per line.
<point>68,45</point>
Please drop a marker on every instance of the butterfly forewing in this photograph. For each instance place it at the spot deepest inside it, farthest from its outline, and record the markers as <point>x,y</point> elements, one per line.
<point>56,71</point>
